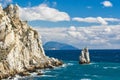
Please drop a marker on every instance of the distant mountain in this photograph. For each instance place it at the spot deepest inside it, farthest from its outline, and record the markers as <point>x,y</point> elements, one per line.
<point>52,45</point>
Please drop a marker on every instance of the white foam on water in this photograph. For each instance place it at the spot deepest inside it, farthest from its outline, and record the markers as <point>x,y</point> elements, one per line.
<point>92,63</point>
<point>86,75</point>
<point>33,74</point>
<point>111,67</point>
<point>89,75</point>
<point>72,61</point>
<point>48,76</point>
<point>85,79</point>
<point>95,76</point>
<point>64,65</point>
<point>46,71</point>
<point>57,67</point>
<point>16,77</point>
<point>70,64</point>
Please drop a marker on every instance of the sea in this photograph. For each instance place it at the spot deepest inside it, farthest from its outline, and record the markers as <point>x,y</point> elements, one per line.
<point>105,65</point>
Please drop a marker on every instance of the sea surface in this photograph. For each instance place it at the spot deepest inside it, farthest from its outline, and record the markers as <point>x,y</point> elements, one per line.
<point>105,65</point>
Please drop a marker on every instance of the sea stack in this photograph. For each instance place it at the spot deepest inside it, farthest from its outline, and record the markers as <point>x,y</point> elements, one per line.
<point>21,48</point>
<point>84,57</point>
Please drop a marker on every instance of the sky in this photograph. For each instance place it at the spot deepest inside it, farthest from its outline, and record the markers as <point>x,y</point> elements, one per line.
<point>81,23</point>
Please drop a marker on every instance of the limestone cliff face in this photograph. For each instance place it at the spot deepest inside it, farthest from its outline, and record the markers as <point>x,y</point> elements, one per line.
<point>20,47</point>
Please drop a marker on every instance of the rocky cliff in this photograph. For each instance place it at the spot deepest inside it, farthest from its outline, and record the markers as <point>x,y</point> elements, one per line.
<point>20,47</point>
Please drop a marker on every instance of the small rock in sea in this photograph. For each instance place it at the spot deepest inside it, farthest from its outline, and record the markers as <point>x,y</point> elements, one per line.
<point>39,73</point>
<point>50,66</point>
<point>31,69</point>
<point>84,57</point>
<point>24,74</point>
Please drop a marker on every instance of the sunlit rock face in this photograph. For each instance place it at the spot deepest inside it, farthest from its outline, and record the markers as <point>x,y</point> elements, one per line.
<point>20,47</point>
<point>84,57</point>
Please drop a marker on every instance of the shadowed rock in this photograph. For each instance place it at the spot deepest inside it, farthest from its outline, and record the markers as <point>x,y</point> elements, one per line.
<point>39,73</point>
<point>25,73</point>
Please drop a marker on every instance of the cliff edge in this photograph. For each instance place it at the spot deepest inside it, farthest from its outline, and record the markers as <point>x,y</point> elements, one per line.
<point>20,47</point>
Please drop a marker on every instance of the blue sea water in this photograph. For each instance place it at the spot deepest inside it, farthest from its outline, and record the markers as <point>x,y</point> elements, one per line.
<point>105,65</point>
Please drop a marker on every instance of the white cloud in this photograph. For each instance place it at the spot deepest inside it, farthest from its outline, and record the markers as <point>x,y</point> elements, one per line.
<point>107,4</point>
<point>72,28</point>
<point>108,29</point>
<point>87,19</point>
<point>91,20</point>
<point>103,21</point>
<point>93,37</point>
<point>112,19</point>
<point>43,12</point>
<point>73,34</point>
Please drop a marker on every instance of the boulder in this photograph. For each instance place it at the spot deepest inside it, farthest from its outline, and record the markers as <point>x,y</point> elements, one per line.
<point>39,73</point>
<point>25,73</point>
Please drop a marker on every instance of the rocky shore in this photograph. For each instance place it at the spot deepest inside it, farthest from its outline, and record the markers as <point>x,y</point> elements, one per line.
<point>31,69</point>
<point>21,50</point>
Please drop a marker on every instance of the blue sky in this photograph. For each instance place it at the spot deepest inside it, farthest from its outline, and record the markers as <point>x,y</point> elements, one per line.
<point>92,23</point>
<point>76,7</point>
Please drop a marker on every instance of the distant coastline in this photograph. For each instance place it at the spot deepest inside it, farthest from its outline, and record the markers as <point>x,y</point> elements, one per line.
<point>53,45</point>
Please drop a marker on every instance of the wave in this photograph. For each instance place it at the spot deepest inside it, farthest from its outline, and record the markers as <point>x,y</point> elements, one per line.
<point>33,74</point>
<point>46,71</point>
<point>92,63</point>
<point>85,79</point>
<point>65,65</point>
<point>89,75</point>
<point>95,75</point>
<point>17,77</point>
<point>111,67</point>
<point>70,64</point>
<point>48,76</point>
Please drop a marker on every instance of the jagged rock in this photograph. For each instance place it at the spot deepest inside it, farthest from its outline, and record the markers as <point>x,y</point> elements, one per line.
<point>39,73</point>
<point>20,47</point>
<point>25,73</point>
<point>84,57</point>
<point>31,69</point>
